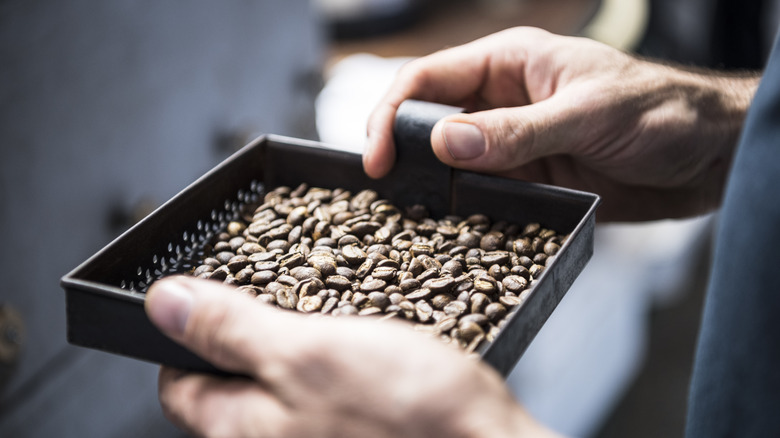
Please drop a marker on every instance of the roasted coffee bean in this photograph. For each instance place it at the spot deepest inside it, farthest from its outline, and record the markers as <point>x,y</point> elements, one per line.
<point>515,283</point>
<point>244,276</point>
<point>305,272</point>
<point>453,268</point>
<point>236,243</point>
<point>297,215</point>
<point>476,318</point>
<point>485,284</point>
<point>224,257</point>
<point>359,299</point>
<point>365,228</point>
<point>536,271</point>
<point>423,310</point>
<point>219,274</point>
<point>338,282</point>
<point>495,312</point>
<point>349,309</point>
<point>551,248</point>
<point>202,269</point>
<point>419,294</point>
<point>510,301</point>
<point>329,305</point>
<point>371,310</point>
<point>470,330</point>
<point>495,272</point>
<point>260,278</point>
<point>291,260</point>
<point>250,248</point>
<point>441,300</point>
<point>309,303</point>
<point>373,284</point>
<point>440,284</point>
<point>266,298</point>
<point>389,263</point>
<point>379,300</point>
<point>248,290</point>
<point>320,250</point>
<point>365,269</point>
<point>235,228</point>
<point>430,263</point>
<point>287,280</point>
<point>492,241</point>
<point>531,230</point>
<point>455,308</point>
<point>410,284</point>
<point>522,247</point>
<point>384,273</point>
<point>309,287</point>
<point>446,324</point>
<point>495,258</point>
<point>347,240</point>
<point>421,249</point>
<point>525,262</point>
<point>278,245</point>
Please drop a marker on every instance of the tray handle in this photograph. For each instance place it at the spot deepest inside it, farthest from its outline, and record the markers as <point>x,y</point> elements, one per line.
<point>421,177</point>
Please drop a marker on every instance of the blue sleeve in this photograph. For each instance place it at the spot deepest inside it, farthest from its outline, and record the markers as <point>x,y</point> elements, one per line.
<point>735,387</point>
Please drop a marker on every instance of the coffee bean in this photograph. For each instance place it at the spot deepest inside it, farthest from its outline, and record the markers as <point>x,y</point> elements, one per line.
<point>446,324</point>
<point>536,271</point>
<point>495,312</point>
<point>515,283</point>
<point>455,308</point>
<point>495,258</point>
<point>309,287</point>
<point>329,251</point>
<point>379,300</point>
<point>291,260</point>
<point>202,269</point>
<point>510,301</point>
<point>301,273</point>
<point>440,284</point>
<point>311,303</point>
<point>476,318</point>
<point>485,284</point>
<point>385,273</point>
<point>410,284</point>
<point>419,294</point>
<point>266,298</point>
<point>371,285</point>
<point>371,310</point>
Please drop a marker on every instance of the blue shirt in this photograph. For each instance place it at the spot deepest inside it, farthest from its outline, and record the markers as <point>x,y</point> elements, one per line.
<point>735,387</point>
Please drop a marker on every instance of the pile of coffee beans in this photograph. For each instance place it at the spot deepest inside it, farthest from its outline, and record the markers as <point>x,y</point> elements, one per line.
<point>312,249</point>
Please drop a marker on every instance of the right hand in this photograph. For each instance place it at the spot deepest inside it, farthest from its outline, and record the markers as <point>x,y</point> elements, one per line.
<point>652,140</point>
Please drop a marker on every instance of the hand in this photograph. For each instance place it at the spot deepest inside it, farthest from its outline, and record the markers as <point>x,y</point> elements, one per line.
<point>652,140</point>
<point>320,377</point>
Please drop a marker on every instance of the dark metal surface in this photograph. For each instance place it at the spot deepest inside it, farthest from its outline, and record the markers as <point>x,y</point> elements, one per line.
<point>105,294</point>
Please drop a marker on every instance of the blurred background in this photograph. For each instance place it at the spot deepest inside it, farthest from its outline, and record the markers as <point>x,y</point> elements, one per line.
<point>107,109</point>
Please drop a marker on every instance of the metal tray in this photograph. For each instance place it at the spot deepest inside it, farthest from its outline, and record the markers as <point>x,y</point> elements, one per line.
<point>105,294</point>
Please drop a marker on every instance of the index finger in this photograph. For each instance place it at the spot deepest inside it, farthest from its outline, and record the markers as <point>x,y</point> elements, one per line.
<point>452,76</point>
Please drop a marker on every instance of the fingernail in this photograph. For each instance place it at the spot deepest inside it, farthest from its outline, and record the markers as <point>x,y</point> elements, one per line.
<point>464,141</point>
<point>170,306</point>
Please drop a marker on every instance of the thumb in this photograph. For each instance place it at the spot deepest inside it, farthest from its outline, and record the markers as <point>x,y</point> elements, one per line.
<point>499,139</point>
<point>212,320</point>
